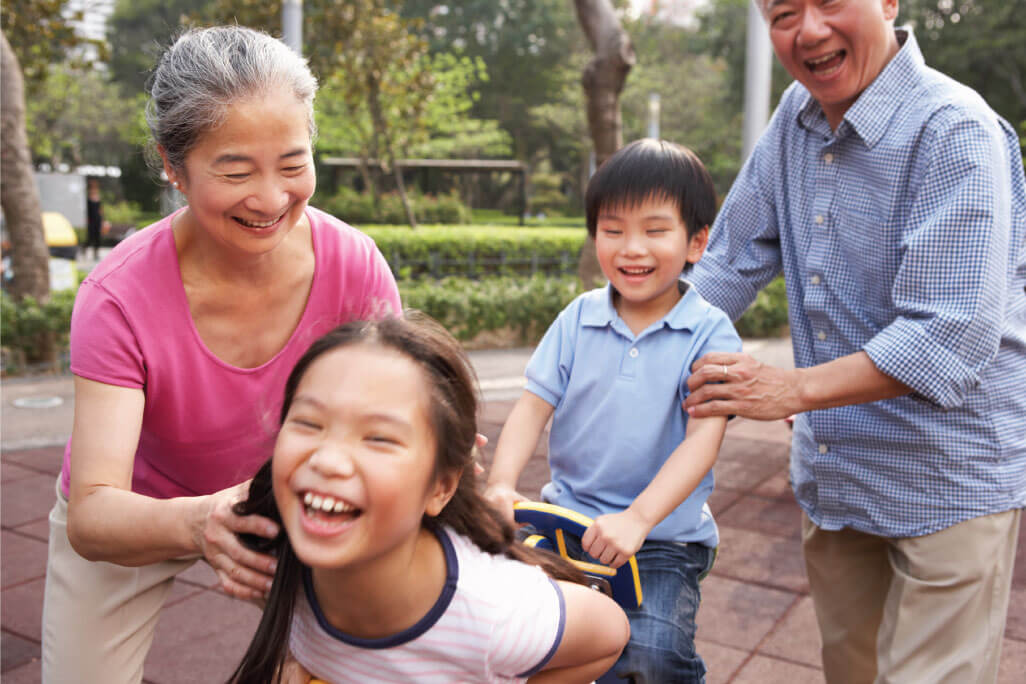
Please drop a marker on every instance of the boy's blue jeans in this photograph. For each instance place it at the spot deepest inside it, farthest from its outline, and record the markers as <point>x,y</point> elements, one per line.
<point>662,645</point>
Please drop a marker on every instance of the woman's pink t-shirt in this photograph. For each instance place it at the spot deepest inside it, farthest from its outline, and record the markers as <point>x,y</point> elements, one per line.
<point>206,424</point>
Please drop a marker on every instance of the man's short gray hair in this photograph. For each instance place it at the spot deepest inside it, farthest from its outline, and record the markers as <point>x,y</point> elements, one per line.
<point>208,70</point>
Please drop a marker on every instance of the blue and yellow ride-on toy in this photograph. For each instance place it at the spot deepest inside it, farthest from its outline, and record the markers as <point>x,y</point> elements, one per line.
<point>552,524</point>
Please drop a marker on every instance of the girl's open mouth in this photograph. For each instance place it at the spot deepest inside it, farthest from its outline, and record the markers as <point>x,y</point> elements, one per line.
<point>327,513</point>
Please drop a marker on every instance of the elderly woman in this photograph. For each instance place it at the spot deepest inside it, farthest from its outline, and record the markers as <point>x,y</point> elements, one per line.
<point>181,341</point>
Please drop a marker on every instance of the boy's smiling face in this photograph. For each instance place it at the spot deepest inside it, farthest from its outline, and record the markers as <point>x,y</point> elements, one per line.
<point>642,249</point>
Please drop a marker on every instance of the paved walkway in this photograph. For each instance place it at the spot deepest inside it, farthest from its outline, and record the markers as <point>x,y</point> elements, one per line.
<point>756,622</point>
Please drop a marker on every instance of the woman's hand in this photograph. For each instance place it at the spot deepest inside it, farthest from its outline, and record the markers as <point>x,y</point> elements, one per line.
<point>502,497</point>
<point>244,574</point>
<point>294,673</point>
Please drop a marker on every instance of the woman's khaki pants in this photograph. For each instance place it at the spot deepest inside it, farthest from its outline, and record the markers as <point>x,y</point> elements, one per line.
<point>913,609</point>
<point>98,618</point>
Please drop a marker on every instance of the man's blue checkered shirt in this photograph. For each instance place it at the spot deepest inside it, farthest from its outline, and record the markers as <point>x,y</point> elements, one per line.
<point>901,234</point>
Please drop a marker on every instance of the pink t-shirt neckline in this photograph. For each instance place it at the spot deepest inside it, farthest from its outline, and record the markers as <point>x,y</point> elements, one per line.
<point>182,299</point>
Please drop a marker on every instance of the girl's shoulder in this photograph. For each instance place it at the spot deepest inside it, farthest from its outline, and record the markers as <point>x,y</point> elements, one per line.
<point>491,579</point>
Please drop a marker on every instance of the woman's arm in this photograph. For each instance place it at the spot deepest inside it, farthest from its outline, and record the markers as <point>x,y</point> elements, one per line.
<point>595,633</point>
<point>109,522</point>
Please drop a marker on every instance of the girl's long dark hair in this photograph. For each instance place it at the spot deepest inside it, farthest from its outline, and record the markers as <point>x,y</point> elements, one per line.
<point>454,420</point>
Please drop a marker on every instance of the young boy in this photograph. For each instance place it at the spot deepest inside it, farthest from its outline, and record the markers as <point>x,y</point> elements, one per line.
<point>612,373</point>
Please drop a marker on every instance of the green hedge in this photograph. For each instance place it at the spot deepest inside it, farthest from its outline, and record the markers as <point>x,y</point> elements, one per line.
<point>24,323</point>
<point>474,251</point>
<point>767,315</point>
<point>525,306</point>
<point>469,307</point>
<point>358,208</point>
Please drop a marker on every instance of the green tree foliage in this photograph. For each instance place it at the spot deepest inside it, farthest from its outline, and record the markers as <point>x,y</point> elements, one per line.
<point>328,25</point>
<point>698,106</point>
<point>981,43</point>
<point>41,34</point>
<point>139,30</point>
<point>442,128</point>
<point>722,34</point>
<point>451,130</point>
<point>80,117</point>
<point>524,44</point>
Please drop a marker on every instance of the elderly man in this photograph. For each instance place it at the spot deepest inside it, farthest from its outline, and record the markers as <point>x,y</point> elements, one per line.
<point>893,200</point>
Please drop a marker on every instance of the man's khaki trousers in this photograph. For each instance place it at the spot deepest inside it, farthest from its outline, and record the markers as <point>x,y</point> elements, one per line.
<point>916,609</point>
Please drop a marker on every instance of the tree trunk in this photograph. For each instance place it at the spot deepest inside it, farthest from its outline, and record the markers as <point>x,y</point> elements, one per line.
<point>603,79</point>
<point>377,133</point>
<point>398,173</point>
<point>30,259</point>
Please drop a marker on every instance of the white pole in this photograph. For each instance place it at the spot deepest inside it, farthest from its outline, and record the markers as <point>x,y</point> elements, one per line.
<point>653,115</point>
<point>758,73</point>
<point>292,24</point>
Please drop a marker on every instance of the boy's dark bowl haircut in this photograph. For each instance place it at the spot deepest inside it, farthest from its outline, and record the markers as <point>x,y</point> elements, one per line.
<point>653,169</point>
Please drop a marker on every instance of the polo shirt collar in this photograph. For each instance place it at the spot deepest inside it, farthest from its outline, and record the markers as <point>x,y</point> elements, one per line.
<point>871,113</point>
<point>598,312</point>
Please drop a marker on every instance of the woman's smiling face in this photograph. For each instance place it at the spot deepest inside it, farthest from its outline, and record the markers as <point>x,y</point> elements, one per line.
<point>354,465</point>
<point>248,180</point>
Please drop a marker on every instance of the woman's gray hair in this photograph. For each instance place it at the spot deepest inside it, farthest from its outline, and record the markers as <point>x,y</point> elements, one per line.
<point>208,70</point>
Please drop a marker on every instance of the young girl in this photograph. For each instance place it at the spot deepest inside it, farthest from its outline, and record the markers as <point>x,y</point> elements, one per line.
<point>391,566</point>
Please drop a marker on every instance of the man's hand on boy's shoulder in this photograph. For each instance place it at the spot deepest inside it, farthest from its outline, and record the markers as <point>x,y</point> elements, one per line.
<point>615,537</point>
<point>732,383</point>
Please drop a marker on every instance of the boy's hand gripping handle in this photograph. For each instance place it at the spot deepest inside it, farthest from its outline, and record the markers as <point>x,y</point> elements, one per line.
<point>552,523</point>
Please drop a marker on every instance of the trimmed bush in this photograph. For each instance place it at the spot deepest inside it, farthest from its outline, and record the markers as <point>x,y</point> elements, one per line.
<point>24,323</point>
<point>358,208</point>
<point>767,315</point>
<point>469,307</point>
<point>478,251</point>
<point>529,305</point>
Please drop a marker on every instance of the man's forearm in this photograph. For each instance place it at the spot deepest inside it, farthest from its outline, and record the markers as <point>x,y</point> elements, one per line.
<point>852,379</point>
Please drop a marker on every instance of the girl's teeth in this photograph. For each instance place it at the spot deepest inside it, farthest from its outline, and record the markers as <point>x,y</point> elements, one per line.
<point>327,504</point>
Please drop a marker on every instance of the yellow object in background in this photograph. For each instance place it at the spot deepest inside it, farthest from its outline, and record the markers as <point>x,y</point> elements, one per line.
<point>58,230</point>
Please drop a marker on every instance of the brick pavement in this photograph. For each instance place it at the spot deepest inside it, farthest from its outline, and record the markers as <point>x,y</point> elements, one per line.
<point>756,622</point>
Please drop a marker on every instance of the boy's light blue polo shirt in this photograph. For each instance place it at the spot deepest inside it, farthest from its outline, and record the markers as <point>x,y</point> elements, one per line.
<point>617,399</point>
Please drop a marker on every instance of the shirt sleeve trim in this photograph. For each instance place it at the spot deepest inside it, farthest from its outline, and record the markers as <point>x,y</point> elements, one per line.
<point>542,393</point>
<point>904,351</point>
<point>559,633</point>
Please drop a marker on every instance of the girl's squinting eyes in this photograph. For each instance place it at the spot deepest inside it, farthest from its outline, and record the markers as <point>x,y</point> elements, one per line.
<point>382,439</point>
<point>306,423</point>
